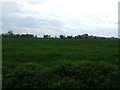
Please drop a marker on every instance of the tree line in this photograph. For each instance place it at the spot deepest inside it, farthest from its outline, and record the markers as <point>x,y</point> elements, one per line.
<point>10,34</point>
<point>83,36</point>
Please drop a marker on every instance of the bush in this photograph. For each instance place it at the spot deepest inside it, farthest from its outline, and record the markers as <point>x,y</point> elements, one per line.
<point>86,75</point>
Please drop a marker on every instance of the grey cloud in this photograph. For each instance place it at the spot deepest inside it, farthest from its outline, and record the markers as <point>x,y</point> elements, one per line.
<point>37,1</point>
<point>21,21</point>
<point>53,24</point>
<point>11,8</point>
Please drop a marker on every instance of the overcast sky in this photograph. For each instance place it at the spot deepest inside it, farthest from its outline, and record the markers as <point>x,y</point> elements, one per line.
<point>56,17</point>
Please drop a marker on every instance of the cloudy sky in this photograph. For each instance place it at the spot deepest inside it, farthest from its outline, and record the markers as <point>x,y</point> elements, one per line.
<point>56,17</point>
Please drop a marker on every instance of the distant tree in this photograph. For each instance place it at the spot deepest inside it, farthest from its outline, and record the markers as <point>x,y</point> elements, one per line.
<point>35,36</point>
<point>4,35</point>
<point>91,37</point>
<point>62,36</point>
<point>79,36</point>
<point>47,36</point>
<point>95,37</point>
<point>10,33</point>
<point>55,36</point>
<point>76,37</point>
<point>44,36</point>
<point>17,35</point>
<point>112,37</point>
<point>85,35</point>
<point>69,36</point>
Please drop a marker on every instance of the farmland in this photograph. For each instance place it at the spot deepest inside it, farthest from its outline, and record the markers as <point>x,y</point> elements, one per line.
<point>60,63</point>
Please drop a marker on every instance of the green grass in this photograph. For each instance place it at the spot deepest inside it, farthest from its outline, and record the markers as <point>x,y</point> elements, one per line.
<point>60,63</point>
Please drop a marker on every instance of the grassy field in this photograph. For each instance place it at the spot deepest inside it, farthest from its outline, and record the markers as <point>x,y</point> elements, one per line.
<point>60,63</point>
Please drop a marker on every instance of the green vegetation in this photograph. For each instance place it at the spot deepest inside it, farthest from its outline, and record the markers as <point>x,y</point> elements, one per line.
<point>60,63</point>
<point>10,34</point>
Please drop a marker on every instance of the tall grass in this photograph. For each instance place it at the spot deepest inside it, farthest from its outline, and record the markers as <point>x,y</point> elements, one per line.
<point>60,63</point>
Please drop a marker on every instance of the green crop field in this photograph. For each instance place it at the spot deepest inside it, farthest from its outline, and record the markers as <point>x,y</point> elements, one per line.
<point>60,63</point>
